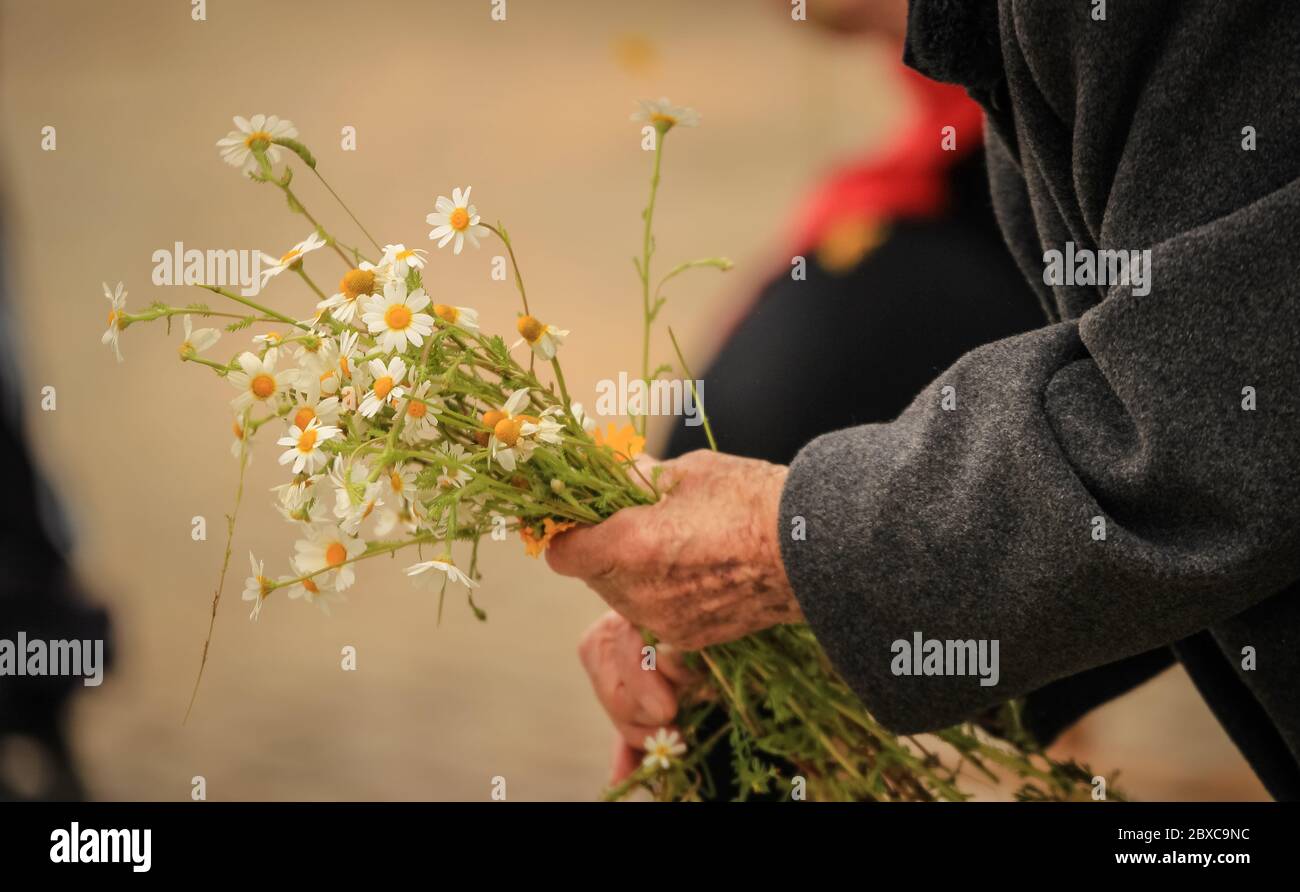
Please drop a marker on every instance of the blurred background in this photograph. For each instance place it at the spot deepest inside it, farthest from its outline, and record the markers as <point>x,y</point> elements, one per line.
<point>533,113</point>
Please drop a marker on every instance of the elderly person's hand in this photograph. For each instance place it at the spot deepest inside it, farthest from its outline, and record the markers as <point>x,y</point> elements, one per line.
<point>701,566</point>
<point>640,696</point>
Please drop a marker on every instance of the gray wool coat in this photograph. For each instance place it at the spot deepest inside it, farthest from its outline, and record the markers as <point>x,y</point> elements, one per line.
<point>1121,487</point>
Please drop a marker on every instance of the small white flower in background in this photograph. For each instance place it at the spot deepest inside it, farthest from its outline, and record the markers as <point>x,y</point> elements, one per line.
<point>237,146</point>
<point>309,512</point>
<point>315,589</point>
<point>661,749</point>
<point>117,306</point>
<point>401,482</point>
<point>270,345</point>
<point>543,339</point>
<point>258,381</point>
<point>508,446</point>
<point>453,573</point>
<point>546,428</point>
<point>311,243</point>
<point>421,424</point>
<point>455,220</point>
<point>236,445</point>
<point>349,507</point>
<point>395,318</point>
<point>664,115</point>
<point>355,285</point>
<point>402,259</point>
<point>333,378</point>
<point>197,341</point>
<point>455,475</point>
<point>318,366</point>
<point>256,586</point>
<point>328,548</point>
<point>388,386</point>
<point>465,317</point>
<point>580,415</point>
<point>304,446</point>
<point>296,493</point>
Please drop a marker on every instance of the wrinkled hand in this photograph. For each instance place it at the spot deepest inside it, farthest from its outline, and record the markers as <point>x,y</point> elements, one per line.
<point>638,700</point>
<point>701,566</point>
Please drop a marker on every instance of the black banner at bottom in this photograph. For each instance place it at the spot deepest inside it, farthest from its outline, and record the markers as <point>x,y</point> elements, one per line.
<point>303,841</point>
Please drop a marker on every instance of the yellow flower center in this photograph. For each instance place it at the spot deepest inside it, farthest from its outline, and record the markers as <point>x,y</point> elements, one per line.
<point>257,136</point>
<point>417,410</point>
<point>395,480</point>
<point>303,417</point>
<point>404,255</point>
<point>335,554</point>
<point>112,319</point>
<point>383,386</point>
<point>310,586</point>
<point>356,282</point>
<point>397,317</point>
<point>286,259</point>
<point>307,442</point>
<point>265,585</point>
<point>507,430</point>
<point>530,328</point>
<point>262,386</point>
<point>459,219</point>
<point>661,118</point>
<point>446,313</point>
<point>239,431</point>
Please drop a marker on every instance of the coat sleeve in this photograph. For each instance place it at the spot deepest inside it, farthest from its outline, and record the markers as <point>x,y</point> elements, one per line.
<point>1171,420</point>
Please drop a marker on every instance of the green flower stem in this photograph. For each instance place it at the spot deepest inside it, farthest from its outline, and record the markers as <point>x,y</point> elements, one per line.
<point>343,205</point>
<point>310,284</point>
<point>699,403</point>
<point>500,232</point>
<point>265,311</point>
<point>647,249</point>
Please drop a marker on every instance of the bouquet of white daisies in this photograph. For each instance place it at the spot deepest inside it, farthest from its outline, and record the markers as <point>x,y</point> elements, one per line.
<point>402,427</point>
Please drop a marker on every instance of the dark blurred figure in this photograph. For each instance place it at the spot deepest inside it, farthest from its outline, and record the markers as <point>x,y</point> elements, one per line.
<point>39,598</point>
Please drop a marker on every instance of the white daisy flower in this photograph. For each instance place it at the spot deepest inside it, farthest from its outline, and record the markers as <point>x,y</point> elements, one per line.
<point>543,339</point>
<point>508,446</point>
<point>546,428</point>
<point>456,220</point>
<point>455,474</point>
<point>236,446</point>
<point>356,285</point>
<point>354,497</point>
<point>314,408</point>
<point>402,259</point>
<point>664,115</point>
<point>258,381</point>
<point>421,423</point>
<point>117,306</point>
<point>401,482</point>
<point>237,148</point>
<point>316,590</point>
<point>197,341</point>
<point>395,319</point>
<point>304,446</point>
<point>465,317</point>
<point>388,386</point>
<point>453,573</point>
<point>295,254</point>
<point>256,586</point>
<point>662,749</point>
<point>329,548</point>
